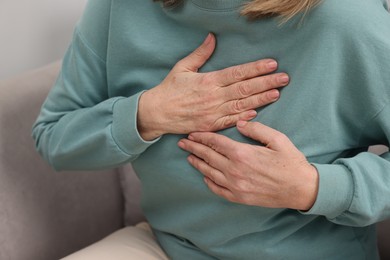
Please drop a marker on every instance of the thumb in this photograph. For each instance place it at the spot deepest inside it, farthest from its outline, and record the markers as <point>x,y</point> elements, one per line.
<point>199,56</point>
<point>266,135</point>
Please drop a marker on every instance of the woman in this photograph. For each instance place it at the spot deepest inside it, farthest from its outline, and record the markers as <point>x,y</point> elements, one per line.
<point>296,182</point>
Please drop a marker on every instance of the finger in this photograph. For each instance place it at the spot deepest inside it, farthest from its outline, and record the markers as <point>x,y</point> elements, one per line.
<point>211,157</point>
<point>208,171</point>
<point>270,137</point>
<point>259,100</point>
<point>218,143</point>
<point>219,190</point>
<point>249,103</point>
<point>199,56</point>
<point>255,86</point>
<point>231,120</point>
<point>245,71</point>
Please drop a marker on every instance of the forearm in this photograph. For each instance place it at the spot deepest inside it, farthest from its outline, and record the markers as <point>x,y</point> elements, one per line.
<point>79,141</point>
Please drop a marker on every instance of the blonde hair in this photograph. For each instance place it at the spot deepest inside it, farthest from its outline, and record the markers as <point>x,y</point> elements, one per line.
<point>256,9</point>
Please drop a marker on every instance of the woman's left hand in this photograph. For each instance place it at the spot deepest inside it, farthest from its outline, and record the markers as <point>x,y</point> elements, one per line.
<point>276,175</point>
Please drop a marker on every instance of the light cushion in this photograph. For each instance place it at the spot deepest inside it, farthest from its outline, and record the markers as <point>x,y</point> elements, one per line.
<point>131,192</point>
<point>134,242</point>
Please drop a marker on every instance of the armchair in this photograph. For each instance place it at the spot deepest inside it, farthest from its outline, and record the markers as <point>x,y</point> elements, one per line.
<point>48,215</point>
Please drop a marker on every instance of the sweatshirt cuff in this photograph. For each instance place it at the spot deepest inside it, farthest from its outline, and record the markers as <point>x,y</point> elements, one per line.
<point>124,126</point>
<point>335,191</point>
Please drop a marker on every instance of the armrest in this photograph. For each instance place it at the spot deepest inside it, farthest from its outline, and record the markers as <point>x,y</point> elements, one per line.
<point>46,214</point>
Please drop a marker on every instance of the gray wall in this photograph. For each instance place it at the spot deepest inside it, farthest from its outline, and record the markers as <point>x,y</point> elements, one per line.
<point>35,32</point>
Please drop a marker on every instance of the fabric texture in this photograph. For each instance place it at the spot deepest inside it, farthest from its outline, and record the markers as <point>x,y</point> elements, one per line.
<point>45,214</point>
<point>131,189</point>
<point>335,107</point>
<point>136,242</point>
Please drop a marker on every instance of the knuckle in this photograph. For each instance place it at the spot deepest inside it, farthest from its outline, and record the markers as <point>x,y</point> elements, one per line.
<point>261,99</point>
<point>238,73</point>
<point>237,106</point>
<point>281,137</point>
<point>213,140</point>
<point>274,139</point>
<point>240,155</point>
<point>212,174</point>
<point>278,138</point>
<point>243,89</point>
<point>204,126</point>
<point>206,157</point>
<point>211,124</point>
<point>242,186</point>
<point>236,174</point>
<point>241,189</point>
<point>228,121</point>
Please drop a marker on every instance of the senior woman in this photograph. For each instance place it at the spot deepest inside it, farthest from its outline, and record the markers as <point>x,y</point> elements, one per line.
<point>226,172</point>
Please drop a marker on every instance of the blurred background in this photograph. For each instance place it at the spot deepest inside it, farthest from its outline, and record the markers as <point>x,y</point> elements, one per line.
<point>35,33</point>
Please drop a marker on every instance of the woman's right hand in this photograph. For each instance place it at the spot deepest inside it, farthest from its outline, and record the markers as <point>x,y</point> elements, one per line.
<point>188,101</point>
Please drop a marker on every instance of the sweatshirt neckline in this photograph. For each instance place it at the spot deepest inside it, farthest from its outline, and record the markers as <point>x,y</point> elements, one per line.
<point>218,5</point>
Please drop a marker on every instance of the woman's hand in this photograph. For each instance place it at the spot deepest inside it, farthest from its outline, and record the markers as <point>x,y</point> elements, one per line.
<point>276,175</point>
<point>187,101</point>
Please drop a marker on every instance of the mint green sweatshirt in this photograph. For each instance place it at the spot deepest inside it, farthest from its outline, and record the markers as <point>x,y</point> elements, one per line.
<point>336,105</point>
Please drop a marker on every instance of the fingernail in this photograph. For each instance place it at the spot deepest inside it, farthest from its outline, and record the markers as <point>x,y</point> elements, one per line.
<point>191,138</point>
<point>284,79</point>
<point>242,123</point>
<point>272,65</point>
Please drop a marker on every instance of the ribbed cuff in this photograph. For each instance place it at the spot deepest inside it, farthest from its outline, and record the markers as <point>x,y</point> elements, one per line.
<point>124,126</point>
<point>335,191</point>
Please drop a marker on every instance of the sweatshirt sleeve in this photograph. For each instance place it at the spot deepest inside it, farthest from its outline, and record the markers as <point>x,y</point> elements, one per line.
<point>356,191</point>
<point>80,126</point>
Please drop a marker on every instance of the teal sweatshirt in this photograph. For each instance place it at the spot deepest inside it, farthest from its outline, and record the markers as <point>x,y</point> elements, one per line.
<point>336,105</point>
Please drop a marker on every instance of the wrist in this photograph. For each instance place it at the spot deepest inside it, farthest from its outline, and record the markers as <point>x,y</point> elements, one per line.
<point>308,195</point>
<point>148,117</point>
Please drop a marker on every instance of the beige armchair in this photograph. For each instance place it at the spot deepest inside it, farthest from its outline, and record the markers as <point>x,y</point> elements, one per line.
<point>46,214</point>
